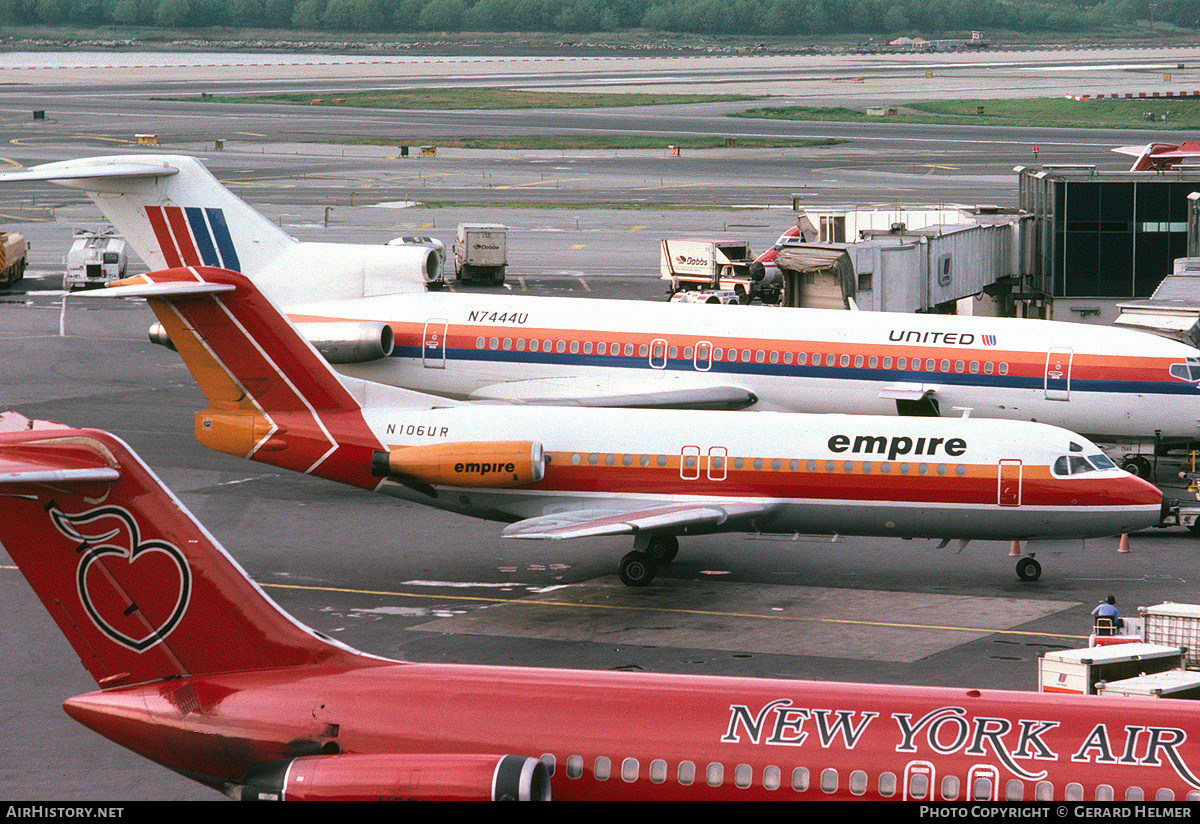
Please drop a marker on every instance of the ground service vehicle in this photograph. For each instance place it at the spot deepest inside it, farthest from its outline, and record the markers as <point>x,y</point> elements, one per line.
<point>94,259</point>
<point>12,258</point>
<point>694,263</point>
<point>480,252</point>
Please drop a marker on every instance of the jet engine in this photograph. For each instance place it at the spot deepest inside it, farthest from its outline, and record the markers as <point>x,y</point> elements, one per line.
<point>337,341</point>
<point>395,777</point>
<point>479,463</point>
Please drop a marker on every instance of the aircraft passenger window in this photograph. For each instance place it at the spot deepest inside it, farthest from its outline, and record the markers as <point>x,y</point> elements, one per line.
<point>974,367</point>
<point>593,459</point>
<point>901,363</point>
<point>561,346</point>
<point>673,352</point>
<point>627,460</point>
<point>603,769</point>
<point>950,788</point>
<point>775,356</point>
<point>1014,790</point>
<point>643,350</point>
<point>903,469</point>
<point>918,786</point>
<point>629,770</point>
<point>887,784</point>
<point>574,347</point>
<point>550,761</point>
<point>479,343</point>
<point>776,464</point>
<point>1135,794</point>
<point>887,363</point>
<point>758,463</point>
<point>944,366</point>
<point>686,773</point>
<point>662,460</point>
<point>687,353</point>
<point>587,347</point>
<point>930,365</point>
<point>960,470</point>
<point>628,350</point>
<point>738,463</point>
<point>941,469</point>
<point>714,776</point>
<point>743,776</point>
<point>858,361</point>
<point>801,358</point>
<point>800,779</point>
<point>760,356</point>
<point>533,345</point>
<point>716,462</point>
<point>872,362</point>
<point>644,460</point>
<point>610,459</point>
<point>1165,794</point>
<point>959,366</point>
<point>794,465</point>
<point>1043,791</point>
<point>507,344</point>
<point>658,771</point>
<point>689,461</point>
<point>845,360</point>
<point>718,354</point>
<point>1104,792</point>
<point>923,469</point>
<point>1003,370</point>
<point>1074,792</point>
<point>787,357</point>
<point>981,789</point>
<point>547,346</point>
<point>848,466</point>
<point>866,467</point>
<point>576,458</point>
<point>520,344</point>
<point>830,466</point>
<point>616,349</point>
<point>745,356</point>
<point>885,467</point>
<point>829,780</point>
<point>858,782</point>
<point>574,766</point>
<point>601,348</point>
<point>494,343</point>
<point>816,358</point>
<point>772,778</point>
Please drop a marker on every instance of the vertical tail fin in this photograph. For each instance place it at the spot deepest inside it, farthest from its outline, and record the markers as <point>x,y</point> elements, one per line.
<point>271,396</point>
<point>140,589</point>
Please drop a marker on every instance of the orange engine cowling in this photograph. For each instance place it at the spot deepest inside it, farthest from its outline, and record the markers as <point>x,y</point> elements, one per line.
<point>398,777</point>
<point>473,463</point>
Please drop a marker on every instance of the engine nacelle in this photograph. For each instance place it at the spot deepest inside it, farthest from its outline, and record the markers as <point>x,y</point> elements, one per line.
<point>337,341</point>
<point>391,777</point>
<point>475,463</point>
<point>434,268</point>
<point>349,341</point>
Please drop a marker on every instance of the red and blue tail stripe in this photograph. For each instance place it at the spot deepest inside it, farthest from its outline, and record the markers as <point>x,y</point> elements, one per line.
<point>193,236</point>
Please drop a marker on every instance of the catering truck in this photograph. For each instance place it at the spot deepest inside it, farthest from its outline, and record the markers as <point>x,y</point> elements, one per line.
<point>12,258</point>
<point>480,252</point>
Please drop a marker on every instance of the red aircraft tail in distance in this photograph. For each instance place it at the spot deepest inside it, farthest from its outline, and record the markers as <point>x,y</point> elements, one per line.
<point>1161,156</point>
<point>201,672</point>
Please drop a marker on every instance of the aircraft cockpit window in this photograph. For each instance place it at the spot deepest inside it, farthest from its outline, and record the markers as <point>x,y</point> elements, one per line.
<point>1076,447</point>
<point>1078,465</point>
<point>1102,461</point>
<point>1189,370</point>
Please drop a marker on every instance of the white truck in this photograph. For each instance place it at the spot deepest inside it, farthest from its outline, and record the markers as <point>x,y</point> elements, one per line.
<point>94,259</point>
<point>480,252</point>
<point>700,264</point>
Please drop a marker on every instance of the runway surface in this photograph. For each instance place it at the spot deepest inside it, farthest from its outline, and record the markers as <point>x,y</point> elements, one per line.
<point>398,580</point>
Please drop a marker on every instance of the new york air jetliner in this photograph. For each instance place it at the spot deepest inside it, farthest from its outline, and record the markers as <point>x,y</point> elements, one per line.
<point>553,473</point>
<point>1115,385</point>
<point>199,671</point>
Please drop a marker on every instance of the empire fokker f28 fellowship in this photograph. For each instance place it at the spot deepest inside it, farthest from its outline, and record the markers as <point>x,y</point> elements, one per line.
<point>1115,385</point>
<point>653,473</point>
<point>202,673</point>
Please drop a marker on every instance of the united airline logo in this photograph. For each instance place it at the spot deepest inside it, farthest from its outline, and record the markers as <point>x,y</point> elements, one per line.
<point>113,560</point>
<point>191,236</point>
<point>988,340</point>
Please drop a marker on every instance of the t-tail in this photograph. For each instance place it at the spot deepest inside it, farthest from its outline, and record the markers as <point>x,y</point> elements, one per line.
<point>271,396</point>
<point>140,589</point>
<point>174,212</point>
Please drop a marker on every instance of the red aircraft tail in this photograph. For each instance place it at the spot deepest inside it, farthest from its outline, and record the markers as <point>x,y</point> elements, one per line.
<point>141,590</point>
<point>271,396</point>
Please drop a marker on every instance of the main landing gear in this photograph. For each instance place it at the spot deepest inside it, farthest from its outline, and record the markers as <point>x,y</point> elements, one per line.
<point>638,568</point>
<point>1028,569</point>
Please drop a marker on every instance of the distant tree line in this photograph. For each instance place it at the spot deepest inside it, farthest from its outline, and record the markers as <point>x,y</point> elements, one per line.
<point>713,17</point>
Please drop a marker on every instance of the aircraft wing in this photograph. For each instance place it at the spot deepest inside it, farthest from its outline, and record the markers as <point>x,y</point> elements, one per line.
<point>587,523</point>
<point>673,392</point>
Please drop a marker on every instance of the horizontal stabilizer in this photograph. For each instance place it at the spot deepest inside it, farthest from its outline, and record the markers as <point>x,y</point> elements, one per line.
<point>91,169</point>
<point>671,392</point>
<point>55,462</point>
<point>129,288</point>
<point>587,523</point>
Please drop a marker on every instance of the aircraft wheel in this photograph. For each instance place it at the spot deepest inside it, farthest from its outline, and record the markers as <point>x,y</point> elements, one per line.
<point>1028,569</point>
<point>1137,465</point>
<point>662,549</point>
<point>636,569</point>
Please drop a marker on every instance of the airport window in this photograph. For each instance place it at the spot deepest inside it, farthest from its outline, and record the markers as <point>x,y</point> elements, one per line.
<point>603,769</point>
<point>1043,791</point>
<point>629,770</point>
<point>1134,794</point>
<point>950,788</point>
<point>800,779</point>
<point>743,776</point>
<point>658,771</point>
<point>479,343</point>
<point>1014,790</point>
<point>1103,793</point>
<point>686,773</point>
<point>714,775</point>
<point>887,784</point>
<point>858,782</point>
<point>574,766</point>
<point>772,778</point>
<point>829,780</point>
